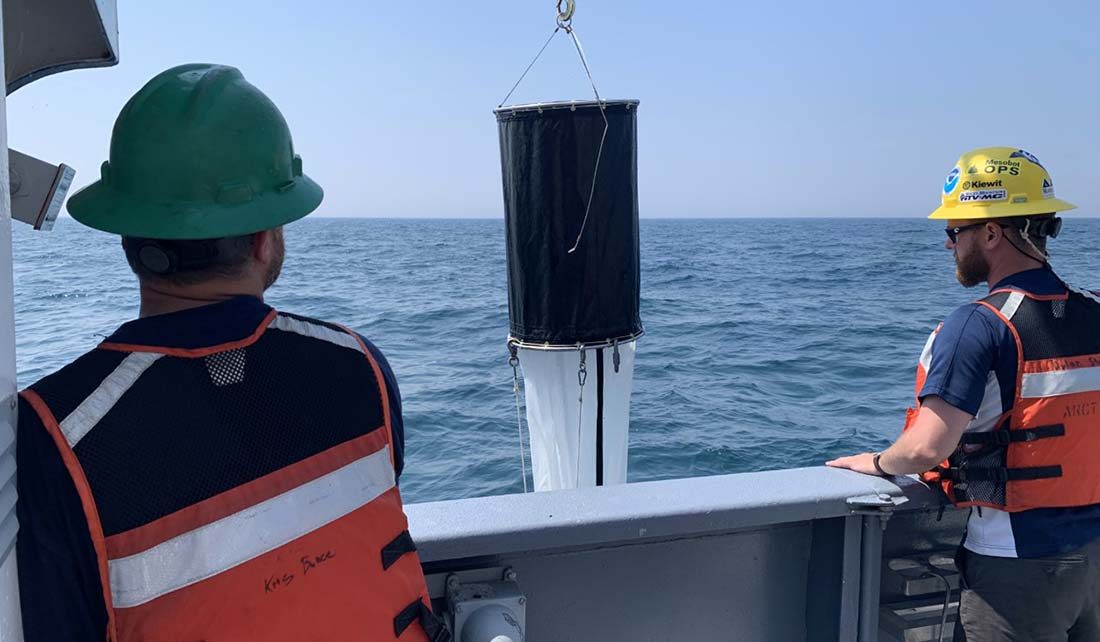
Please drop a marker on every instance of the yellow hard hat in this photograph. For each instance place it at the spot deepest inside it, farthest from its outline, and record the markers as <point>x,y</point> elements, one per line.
<point>996,182</point>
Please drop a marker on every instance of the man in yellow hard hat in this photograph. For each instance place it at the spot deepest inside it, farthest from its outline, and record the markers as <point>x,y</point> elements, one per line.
<point>215,469</point>
<point>1007,414</point>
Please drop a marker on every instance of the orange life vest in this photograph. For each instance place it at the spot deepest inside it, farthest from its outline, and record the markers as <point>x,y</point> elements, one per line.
<point>1042,452</point>
<point>306,542</point>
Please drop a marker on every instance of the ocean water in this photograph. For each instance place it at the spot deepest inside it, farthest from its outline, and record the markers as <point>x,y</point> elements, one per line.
<point>770,343</point>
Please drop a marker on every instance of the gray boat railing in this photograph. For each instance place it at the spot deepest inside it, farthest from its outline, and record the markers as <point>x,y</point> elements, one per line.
<point>779,555</point>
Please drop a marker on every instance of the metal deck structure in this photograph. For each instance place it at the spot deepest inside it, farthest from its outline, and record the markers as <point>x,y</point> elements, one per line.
<point>803,554</point>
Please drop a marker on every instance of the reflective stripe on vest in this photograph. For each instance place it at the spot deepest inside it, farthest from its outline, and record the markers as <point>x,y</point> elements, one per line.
<point>237,538</point>
<point>1043,451</point>
<point>316,550</point>
<point>1065,377</point>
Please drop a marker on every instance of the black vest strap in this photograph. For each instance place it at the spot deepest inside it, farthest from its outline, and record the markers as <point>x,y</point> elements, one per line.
<point>393,551</point>
<point>430,622</point>
<point>1006,436</point>
<point>1000,474</point>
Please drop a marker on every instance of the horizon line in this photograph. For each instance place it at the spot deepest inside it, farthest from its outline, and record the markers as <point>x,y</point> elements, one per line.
<point>65,215</point>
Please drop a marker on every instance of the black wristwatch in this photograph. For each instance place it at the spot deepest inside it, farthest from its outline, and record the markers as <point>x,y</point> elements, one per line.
<point>878,467</point>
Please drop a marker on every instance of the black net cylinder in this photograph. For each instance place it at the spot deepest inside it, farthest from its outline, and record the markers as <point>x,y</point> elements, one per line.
<point>548,162</point>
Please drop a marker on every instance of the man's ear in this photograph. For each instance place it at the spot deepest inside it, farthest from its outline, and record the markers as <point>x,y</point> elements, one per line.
<point>263,246</point>
<point>993,234</point>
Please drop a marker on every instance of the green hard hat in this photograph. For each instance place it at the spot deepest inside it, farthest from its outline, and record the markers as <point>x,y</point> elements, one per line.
<point>198,153</point>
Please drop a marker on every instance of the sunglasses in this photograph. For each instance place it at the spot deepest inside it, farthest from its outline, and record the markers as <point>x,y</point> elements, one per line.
<point>953,232</point>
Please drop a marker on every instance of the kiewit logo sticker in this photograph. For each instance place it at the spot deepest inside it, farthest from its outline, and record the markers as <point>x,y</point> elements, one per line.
<point>983,195</point>
<point>1019,153</point>
<point>952,181</point>
<point>1048,188</point>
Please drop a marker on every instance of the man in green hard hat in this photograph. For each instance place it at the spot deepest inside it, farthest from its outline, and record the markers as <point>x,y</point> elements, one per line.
<point>215,469</point>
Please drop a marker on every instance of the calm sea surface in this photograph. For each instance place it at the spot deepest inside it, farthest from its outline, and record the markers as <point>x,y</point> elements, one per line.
<point>770,343</point>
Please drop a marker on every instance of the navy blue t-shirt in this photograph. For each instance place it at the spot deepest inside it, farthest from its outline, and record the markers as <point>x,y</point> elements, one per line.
<point>60,590</point>
<point>973,368</point>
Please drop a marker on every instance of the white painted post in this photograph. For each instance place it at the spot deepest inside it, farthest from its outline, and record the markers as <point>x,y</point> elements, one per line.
<point>11,624</point>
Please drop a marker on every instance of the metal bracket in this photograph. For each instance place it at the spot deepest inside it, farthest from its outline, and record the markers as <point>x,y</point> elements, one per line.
<point>485,611</point>
<point>880,504</point>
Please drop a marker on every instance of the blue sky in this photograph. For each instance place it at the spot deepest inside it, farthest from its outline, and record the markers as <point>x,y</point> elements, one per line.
<point>853,108</point>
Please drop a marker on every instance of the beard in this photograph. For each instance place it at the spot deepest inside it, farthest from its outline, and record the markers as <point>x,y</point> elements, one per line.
<point>276,265</point>
<point>971,268</point>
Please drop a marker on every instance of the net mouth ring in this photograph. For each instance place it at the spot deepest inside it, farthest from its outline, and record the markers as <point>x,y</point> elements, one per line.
<point>565,16</point>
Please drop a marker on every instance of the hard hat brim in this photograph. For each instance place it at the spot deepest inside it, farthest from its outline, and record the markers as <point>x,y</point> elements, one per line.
<point>969,212</point>
<point>101,207</point>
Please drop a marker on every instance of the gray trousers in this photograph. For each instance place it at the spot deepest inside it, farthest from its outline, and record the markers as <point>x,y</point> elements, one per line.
<point>1054,598</point>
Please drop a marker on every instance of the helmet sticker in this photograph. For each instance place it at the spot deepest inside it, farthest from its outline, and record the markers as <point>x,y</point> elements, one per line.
<point>983,196</point>
<point>983,184</point>
<point>1019,153</point>
<point>951,182</point>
